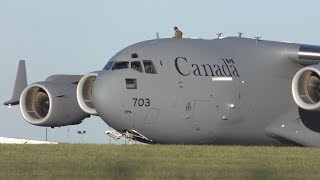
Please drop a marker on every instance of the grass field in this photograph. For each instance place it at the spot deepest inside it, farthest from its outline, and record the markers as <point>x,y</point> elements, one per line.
<point>157,162</point>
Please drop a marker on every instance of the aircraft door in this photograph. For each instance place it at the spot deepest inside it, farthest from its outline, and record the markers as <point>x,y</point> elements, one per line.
<point>219,109</point>
<point>185,104</point>
<point>226,102</point>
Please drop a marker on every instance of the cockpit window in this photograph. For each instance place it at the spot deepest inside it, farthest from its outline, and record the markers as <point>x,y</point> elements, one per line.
<point>136,65</point>
<point>108,65</point>
<point>120,65</point>
<point>149,67</point>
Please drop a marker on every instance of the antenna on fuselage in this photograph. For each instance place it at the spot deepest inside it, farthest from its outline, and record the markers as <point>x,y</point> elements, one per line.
<point>157,35</point>
<point>219,35</point>
<point>258,38</point>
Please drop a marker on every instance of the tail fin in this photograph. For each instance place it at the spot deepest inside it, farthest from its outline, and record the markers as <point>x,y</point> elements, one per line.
<point>20,84</point>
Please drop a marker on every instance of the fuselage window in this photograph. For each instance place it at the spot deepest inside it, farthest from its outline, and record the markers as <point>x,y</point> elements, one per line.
<point>120,65</point>
<point>136,65</point>
<point>149,67</point>
<point>131,83</point>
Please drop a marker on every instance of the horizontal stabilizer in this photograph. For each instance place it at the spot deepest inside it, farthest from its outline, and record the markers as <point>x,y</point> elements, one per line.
<point>20,84</point>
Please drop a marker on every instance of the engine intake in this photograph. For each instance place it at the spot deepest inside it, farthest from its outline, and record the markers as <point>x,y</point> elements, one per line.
<point>51,104</point>
<point>306,88</point>
<point>84,93</point>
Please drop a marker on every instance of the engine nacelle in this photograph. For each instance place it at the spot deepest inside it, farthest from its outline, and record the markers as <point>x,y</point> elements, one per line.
<point>306,88</point>
<point>84,93</point>
<point>51,104</point>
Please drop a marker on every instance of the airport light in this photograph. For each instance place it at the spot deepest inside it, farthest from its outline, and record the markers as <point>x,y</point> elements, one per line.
<point>82,133</point>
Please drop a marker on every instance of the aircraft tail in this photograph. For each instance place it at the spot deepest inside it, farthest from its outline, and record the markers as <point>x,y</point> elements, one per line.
<point>20,84</point>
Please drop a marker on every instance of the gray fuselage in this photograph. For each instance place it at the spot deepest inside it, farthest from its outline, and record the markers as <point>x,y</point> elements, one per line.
<point>221,91</point>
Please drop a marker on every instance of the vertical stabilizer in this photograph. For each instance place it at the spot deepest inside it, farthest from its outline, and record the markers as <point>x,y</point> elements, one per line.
<point>20,84</point>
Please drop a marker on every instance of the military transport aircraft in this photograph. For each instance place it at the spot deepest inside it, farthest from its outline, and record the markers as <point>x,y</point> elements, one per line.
<point>231,90</point>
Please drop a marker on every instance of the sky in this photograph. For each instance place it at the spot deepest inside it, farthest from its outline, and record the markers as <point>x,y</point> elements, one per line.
<point>80,36</point>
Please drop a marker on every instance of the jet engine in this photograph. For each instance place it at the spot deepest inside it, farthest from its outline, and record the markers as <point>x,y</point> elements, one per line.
<point>51,104</point>
<point>306,88</point>
<point>84,93</point>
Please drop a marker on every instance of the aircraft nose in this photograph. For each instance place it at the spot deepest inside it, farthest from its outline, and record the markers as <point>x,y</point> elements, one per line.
<point>108,100</point>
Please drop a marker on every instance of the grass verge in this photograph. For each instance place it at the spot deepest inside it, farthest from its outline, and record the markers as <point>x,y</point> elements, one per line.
<point>157,162</point>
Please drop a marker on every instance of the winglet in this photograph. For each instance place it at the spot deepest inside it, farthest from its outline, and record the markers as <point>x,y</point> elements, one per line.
<point>20,84</point>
